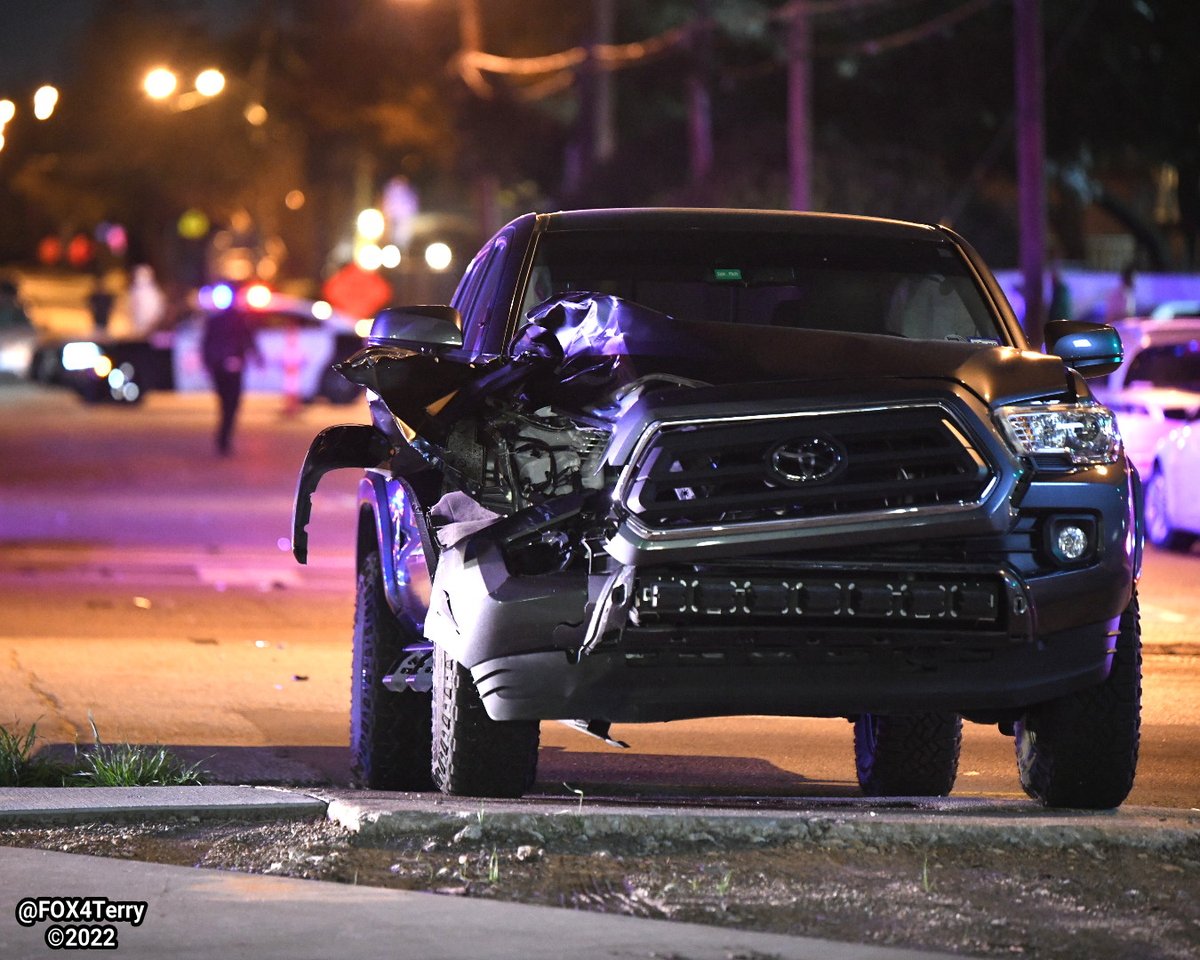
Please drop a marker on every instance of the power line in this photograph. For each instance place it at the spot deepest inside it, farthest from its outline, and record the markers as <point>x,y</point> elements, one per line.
<point>473,64</point>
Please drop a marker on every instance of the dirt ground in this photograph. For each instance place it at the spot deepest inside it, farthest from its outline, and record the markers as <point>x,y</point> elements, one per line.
<point>1098,902</point>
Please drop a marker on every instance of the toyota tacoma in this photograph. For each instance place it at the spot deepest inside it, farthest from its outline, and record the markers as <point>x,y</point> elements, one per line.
<point>661,463</point>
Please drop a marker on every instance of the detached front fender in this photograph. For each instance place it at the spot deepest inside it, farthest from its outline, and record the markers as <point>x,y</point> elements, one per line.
<point>334,448</point>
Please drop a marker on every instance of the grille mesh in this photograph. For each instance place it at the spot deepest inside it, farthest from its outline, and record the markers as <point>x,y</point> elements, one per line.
<point>720,472</point>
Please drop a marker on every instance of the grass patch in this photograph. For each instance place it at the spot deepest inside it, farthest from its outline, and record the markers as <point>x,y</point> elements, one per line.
<point>129,765</point>
<point>104,765</point>
<point>19,767</point>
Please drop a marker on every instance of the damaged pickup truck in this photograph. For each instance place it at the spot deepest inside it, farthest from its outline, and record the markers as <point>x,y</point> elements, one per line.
<point>660,464</point>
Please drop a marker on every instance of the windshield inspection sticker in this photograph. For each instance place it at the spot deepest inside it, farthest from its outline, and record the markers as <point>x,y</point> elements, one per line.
<point>80,923</point>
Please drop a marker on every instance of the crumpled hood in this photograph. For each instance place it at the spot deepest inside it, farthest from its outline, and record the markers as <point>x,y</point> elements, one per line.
<point>606,342</point>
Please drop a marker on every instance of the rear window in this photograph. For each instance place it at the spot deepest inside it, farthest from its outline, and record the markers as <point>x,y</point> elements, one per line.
<point>1174,365</point>
<point>908,288</point>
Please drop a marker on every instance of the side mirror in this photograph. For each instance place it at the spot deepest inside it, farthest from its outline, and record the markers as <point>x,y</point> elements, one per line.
<point>1094,349</point>
<point>425,328</point>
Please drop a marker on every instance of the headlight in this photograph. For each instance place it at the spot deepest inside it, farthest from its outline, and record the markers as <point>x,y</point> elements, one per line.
<point>1083,432</point>
<point>80,355</point>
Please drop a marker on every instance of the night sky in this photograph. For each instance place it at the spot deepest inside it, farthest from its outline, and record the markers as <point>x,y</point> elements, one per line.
<point>36,37</point>
<point>35,40</point>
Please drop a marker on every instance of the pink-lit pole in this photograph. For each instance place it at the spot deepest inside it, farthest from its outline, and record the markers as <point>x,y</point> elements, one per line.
<point>1031,156</point>
<point>799,106</point>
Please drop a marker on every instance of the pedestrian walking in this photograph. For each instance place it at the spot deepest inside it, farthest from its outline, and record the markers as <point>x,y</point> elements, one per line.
<point>1060,296</point>
<point>100,302</point>
<point>293,364</point>
<point>147,302</point>
<point>12,311</point>
<point>228,342</point>
<point>1121,302</point>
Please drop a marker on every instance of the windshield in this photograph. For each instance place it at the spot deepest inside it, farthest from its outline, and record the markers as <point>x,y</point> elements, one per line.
<point>919,289</point>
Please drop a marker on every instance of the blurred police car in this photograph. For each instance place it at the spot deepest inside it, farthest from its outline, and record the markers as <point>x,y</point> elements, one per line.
<point>298,339</point>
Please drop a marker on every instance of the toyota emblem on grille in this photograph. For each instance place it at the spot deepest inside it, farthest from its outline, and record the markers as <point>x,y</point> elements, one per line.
<point>807,460</point>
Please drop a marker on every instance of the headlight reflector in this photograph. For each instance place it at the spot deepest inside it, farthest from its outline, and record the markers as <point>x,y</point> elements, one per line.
<point>1086,433</point>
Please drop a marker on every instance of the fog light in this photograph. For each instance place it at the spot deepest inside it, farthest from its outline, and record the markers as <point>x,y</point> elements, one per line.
<point>1071,542</point>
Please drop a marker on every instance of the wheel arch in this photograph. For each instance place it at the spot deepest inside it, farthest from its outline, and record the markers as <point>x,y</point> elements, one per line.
<point>391,519</point>
<point>1137,510</point>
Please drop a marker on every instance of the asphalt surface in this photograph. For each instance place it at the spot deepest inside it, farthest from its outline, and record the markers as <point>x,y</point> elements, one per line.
<point>202,913</point>
<point>193,913</point>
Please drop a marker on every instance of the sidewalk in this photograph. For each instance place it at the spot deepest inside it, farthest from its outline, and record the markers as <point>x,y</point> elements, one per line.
<point>216,914</point>
<point>194,913</point>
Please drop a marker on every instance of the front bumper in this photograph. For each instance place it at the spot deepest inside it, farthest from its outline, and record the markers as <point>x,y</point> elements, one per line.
<point>808,679</point>
<point>973,624</point>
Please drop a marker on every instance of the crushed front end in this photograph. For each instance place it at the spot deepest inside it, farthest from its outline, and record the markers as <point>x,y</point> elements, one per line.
<point>675,547</point>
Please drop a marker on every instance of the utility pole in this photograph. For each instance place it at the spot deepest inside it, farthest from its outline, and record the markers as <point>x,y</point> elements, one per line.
<point>700,137</point>
<point>1031,155</point>
<point>486,187</point>
<point>799,106</point>
<point>604,137</point>
<point>594,138</point>
<point>470,33</point>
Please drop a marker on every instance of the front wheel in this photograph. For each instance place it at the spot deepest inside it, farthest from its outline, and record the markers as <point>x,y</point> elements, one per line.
<point>1081,750</point>
<point>907,756</point>
<point>1159,529</point>
<point>474,755</point>
<point>389,731</point>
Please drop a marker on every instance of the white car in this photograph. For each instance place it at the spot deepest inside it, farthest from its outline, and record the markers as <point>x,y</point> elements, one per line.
<point>298,339</point>
<point>17,346</point>
<point>1172,507</point>
<point>1176,309</point>
<point>1157,386</point>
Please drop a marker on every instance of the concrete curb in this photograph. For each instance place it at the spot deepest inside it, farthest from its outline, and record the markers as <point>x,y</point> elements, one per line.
<point>829,824</point>
<point>23,806</point>
<point>923,823</point>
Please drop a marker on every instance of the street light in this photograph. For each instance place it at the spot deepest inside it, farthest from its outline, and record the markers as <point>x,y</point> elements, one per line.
<point>438,256</point>
<point>8,110</point>
<point>45,99</point>
<point>255,114</point>
<point>210,82</point>
<point>160,83</point>
<point>370,224</point>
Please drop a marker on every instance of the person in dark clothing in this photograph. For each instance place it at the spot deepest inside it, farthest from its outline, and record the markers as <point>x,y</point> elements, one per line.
<point>228,342</point>
<point>100,302</point>
<point>1060,296</point>
<point>12,312</point>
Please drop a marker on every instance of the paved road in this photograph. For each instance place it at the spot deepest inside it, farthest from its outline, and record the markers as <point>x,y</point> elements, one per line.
<point>146,583</point>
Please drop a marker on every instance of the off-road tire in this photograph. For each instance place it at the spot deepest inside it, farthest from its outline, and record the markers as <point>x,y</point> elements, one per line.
<point>389,731</point>
<point>907,756</point>
<point>1158,519</point>
<point>1081,750</point>
<point>474,755</point>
